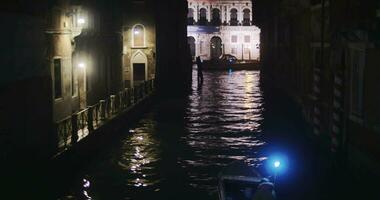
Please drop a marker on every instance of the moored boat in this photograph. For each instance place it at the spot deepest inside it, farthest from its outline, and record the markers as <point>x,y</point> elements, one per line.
<point>239,181</point>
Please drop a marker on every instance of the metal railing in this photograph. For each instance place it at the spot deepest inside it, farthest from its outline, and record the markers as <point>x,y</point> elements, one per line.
<point>79,125</point>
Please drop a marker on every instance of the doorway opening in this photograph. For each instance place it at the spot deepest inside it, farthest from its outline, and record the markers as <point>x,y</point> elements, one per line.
<point>216,47</point>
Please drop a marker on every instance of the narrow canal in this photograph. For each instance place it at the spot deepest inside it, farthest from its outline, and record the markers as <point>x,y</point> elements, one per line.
<point>177,149</point>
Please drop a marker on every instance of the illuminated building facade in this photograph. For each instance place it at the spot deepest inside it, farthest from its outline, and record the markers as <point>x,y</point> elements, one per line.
<point>217,27</point>
<point>139,43</point>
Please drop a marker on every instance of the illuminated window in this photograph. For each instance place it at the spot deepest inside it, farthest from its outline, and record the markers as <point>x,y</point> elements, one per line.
<point>234,39</point>
<point>57,78</point>
<point>138,35</point>
<point>247,39</point>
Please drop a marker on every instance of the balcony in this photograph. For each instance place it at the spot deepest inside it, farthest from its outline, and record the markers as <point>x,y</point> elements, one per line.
<point>190,21</point>
<point>234,22</point>
<point>246,22</point>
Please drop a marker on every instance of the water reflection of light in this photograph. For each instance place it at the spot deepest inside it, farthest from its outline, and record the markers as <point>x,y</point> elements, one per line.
<point>140,150</point>
<point>248,87</point>
<point>86,183</point>
<point>86,186</point>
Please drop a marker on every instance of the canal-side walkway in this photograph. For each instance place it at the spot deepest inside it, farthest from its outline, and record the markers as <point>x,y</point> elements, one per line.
<point>75,128</point>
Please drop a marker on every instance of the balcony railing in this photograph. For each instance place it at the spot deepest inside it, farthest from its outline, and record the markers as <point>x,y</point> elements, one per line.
<point>190,21</point>
<point>246,22</point>
<point>234,22</point>
<point>79,125</point>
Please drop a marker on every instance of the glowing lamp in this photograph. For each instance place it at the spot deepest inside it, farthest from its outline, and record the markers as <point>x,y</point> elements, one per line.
<point>137,32</point>
<point>277,164</point>
<point>81,21</point>
<point>81,65</point>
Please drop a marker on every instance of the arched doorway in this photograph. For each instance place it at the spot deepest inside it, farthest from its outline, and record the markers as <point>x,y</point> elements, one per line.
<point>191,42</point>
<point>139,68</point>
<point>216,47</point>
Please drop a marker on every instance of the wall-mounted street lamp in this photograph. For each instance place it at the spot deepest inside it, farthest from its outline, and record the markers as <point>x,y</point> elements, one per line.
<point>81,65</point>
<point>136,32</point>
<point>81,21</point>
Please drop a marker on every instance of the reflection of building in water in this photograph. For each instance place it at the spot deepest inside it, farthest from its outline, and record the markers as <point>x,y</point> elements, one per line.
<point>217,27</point>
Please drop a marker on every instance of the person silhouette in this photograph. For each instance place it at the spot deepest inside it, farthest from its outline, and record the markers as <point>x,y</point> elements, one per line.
<point>200,70</point>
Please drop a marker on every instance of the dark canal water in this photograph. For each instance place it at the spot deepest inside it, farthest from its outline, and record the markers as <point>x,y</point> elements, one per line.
<point>177,149</point>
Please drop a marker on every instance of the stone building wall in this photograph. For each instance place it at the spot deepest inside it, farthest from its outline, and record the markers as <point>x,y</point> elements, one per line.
<point>243,50</point>
<point>25,83</point>
<point>142,15</point>
<point>324,55</point>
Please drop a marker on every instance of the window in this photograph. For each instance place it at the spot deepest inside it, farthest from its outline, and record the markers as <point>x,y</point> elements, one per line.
<point>246,17</point>
<point>200,47</point>
<point>202,16</point>
<point>138,35</point>
<point>233,16</point>
<point>247,39</point>
<point>233,51</point>
<point>57,78</point>
<point>234,39</point>
<point>190,16</point>
<point>357,68</point>
<point>216,17</point>
<point>74,81</point>
<point>191,43</point>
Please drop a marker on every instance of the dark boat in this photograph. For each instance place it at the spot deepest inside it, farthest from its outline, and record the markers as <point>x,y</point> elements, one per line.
<point>239,181</point>
<point>230,62</point>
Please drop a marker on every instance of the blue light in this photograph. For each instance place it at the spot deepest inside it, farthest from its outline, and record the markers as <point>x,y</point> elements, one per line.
<point>277,164</point>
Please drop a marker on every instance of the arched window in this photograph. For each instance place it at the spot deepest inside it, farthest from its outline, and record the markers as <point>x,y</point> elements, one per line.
<point>246,17</point>
<point>233,17</point>
<point>202,16</point>
<point>215,17</point>
<point>190,16</point>
<point>138,36</point>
